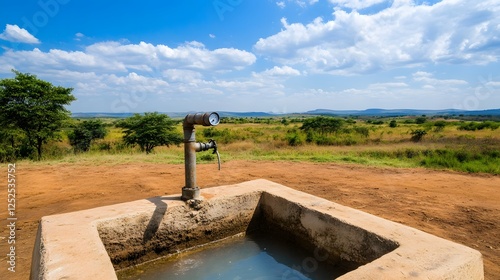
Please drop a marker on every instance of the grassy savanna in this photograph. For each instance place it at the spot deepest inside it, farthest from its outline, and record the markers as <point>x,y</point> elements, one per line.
<point>468,146</point>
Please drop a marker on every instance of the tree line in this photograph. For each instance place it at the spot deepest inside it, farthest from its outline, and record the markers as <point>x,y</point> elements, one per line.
<point>33,112</point>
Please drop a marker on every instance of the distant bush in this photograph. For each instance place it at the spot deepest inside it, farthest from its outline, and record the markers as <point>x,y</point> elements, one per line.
<point>377,122</point>
<point>323,125</point>
<point>294,138</point>
<point>225,136</point>
<point>361,130</point>
<point>417,135</point>
<point>84,133</point>
<point>473,126</point>
<point>469,160</point>
<point>439,126</point>
<point>207,157</point>
<point>420,120</point>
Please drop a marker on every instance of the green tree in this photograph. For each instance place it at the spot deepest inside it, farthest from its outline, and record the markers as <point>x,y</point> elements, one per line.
<point>149,131</point>
<point>393,124</point>
<point>11,140</point>
<point>417,135</point>
<point>439,126</point>
<point>323,125</point>
<point>35,107</point>
<point>84,133</point>
<point>421,120</point>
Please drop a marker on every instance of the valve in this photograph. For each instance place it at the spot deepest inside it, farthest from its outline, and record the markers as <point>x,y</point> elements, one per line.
<point>210,145</point>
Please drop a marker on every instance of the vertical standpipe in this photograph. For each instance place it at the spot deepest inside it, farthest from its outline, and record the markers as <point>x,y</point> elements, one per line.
<point>191,190</point>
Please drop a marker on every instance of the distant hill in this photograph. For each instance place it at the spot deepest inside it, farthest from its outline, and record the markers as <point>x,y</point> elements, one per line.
<point>403,112</point>
<point>246,114</point>
<point>367,112</point>
<point>101,115</point>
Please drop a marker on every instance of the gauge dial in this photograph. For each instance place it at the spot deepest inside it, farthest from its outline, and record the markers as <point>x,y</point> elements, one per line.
<point>214,118</point>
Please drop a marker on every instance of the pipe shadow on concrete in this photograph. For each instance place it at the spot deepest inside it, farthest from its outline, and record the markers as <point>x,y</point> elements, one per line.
<point>157,217</point>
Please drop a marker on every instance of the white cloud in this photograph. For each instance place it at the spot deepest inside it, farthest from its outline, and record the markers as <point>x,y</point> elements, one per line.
<point>211,36</point>
<point>15,34</point>
<point>428,79</point>
<point>282,71</point>
<point>357,4</point>
<point>133,77</point>
<point>79,36</point>
<point>385,86</point>
<point>281,4</point>
<point>182,75</point>
<point>402,35</point>
<point>493,84</point>
<point>121,58</point>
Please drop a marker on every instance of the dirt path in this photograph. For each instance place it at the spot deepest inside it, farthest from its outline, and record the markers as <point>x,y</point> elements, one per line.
<point>456,206</point>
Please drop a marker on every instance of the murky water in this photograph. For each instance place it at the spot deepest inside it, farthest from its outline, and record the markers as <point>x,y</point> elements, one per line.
<point>249,257</point>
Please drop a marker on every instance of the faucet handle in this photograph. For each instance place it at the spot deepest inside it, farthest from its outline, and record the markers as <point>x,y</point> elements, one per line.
<point>216,151</point>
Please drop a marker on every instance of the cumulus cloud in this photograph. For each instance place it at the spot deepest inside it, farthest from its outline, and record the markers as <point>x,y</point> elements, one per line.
<point>428,79</point>
<point>281,4</point>
<point>118,57</point>
<point>15,34</point>
<point>357,4</point>
<point>402,35</point>
<point>282,71</point>
<point>135,73</point>
<point>385,86</point>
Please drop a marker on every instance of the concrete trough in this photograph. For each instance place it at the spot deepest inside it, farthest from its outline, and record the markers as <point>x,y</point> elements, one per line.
<point>95,243</point>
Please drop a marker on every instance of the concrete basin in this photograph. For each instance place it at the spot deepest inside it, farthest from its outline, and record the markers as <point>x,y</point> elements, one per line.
<point>94,243</point>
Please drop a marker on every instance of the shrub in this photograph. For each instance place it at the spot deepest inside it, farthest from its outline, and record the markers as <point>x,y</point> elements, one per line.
<point>207,157</point>
<point>85,133</point>
<point>473,126</point>
<point>417,135</point>
<point>439,126</point>
<point>364,131</point>
<point>294,138</point>
<point>420,120</point>
<point>323,125</point>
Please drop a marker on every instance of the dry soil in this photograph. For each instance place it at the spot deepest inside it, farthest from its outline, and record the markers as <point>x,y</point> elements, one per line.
<point>461,207</point>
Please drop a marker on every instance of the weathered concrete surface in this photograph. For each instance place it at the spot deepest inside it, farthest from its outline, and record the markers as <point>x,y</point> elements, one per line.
<point>69,246</point>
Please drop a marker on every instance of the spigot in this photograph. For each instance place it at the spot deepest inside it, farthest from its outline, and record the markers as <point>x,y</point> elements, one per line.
<point>207,146</point>
<point>191,190</point>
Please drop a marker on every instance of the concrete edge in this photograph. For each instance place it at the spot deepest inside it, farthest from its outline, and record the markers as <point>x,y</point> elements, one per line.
<point>63,239</point>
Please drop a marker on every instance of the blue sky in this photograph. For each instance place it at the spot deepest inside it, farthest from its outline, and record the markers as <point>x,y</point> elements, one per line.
<point>273,56</point>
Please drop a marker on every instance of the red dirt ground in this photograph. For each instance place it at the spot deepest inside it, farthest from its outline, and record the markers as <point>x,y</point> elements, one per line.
<point>456,206</point>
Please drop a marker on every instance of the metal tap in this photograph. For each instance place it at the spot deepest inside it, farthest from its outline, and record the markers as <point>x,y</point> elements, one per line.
<point>191,190</point>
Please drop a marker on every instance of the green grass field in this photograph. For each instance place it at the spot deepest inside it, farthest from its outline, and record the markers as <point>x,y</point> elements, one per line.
<point>446,145</point>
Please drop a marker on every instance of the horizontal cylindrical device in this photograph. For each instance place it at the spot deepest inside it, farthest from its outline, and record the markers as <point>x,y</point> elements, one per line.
<point>205,119</point>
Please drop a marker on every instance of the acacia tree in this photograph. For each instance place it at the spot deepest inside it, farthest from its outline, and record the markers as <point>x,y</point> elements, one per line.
<point>149,131</point>
<point>322,125</point>
<point>84,133</point>
<point>35,107</point>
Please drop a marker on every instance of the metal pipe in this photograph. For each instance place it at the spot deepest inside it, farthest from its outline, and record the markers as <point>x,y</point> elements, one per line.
<point>191,190</point>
